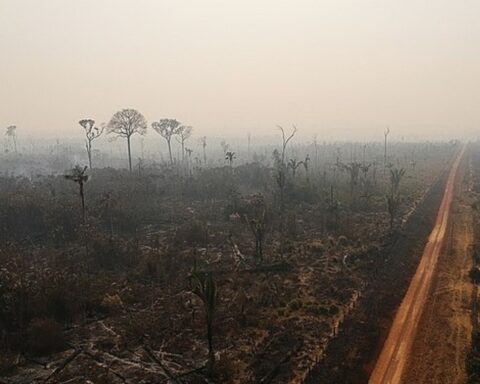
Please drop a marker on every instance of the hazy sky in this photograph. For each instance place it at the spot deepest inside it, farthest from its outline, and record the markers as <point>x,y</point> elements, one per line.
<point>334,67</point>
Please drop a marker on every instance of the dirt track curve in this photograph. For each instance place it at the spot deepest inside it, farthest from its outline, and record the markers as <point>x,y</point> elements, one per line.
<point>394,355</point>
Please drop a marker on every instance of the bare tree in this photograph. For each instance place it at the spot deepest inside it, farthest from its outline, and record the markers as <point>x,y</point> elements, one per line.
<point>79,176</point>
<point>12,134</point>
<point>285,140</point>
<point>92,132</point>
<point>280,164</point>
<point>385,134</point>
<point>126,123</point>
<point>203,141</point>
<point>184,134</point>
<point>167,128</point>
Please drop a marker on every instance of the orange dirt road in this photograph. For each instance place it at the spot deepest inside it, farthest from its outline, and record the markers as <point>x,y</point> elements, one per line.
<point>394,355</point>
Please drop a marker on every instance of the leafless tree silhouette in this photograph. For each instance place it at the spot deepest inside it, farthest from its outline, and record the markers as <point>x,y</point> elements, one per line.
<point>286,139</point>
<point>184,134</point>
<point>280,164</point>
<point>126,123</point>
<point>92,132</point>
<point>385,134</point>
<point>79,176</point>
<point>203,142</point>
<point>167,128</point>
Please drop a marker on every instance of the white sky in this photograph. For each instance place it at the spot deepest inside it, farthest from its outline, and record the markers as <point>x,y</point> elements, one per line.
<point>341,69</point>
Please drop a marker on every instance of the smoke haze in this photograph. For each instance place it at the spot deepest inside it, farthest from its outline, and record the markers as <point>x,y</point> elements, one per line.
<point>339,69</point>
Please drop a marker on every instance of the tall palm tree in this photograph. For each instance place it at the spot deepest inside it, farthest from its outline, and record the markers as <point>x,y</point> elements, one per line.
<point>79,176</point>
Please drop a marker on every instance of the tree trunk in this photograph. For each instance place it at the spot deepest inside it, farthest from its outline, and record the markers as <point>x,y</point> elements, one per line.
<point>84,229</point>
<point>170,151</point>
<point>385,158</point>
<point>129,154</point>
<point>82,196</point>
<point>385,152</point>
<point>89,152</point>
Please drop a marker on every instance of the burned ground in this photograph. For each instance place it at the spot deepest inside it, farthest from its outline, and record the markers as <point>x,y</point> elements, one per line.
<point>116,294</point>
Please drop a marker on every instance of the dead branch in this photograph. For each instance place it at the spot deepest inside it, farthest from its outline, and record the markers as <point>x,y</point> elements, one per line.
<point>105,366</point>
<point>62,366</point>
<point>72,380</point>
<point>161,364</point>
<point>133,364</point>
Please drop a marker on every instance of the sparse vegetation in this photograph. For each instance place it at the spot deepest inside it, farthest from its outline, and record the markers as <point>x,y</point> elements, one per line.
<point>279,252</point>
